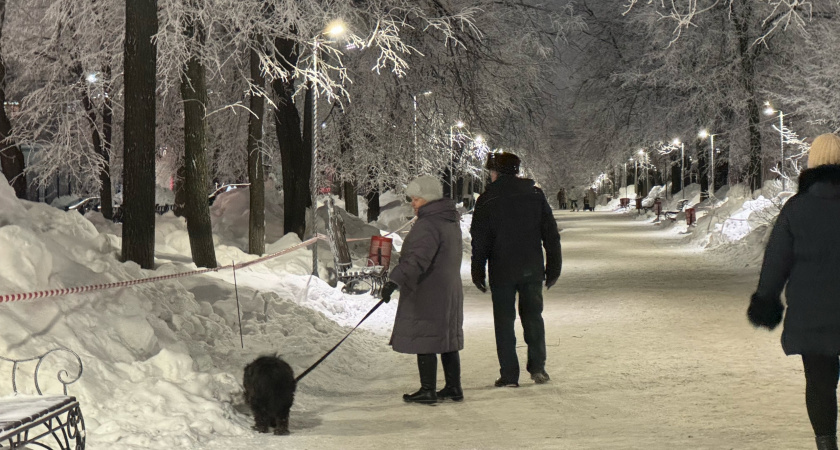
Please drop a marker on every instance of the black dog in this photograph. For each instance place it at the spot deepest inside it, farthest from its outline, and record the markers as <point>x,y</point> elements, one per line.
<point>270,391</point>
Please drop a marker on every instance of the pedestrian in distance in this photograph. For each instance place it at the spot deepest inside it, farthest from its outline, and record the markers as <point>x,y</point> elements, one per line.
<point>591,198</point>
<point>803,259</point>
<point>430,314</point>
<point>511,226</point>
<point>561,198</point>
<point>573,199</point>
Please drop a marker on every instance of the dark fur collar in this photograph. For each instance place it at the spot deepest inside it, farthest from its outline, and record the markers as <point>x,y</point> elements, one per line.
<point>829,173</point>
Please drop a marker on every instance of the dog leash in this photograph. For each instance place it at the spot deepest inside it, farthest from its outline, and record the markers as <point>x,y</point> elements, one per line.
<point>313,366</point>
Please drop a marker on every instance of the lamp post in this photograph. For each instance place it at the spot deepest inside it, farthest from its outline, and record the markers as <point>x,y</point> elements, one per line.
<point>682,166</point>
<point>334,29</point>
<point>703,135</point>
<point>770,111</point>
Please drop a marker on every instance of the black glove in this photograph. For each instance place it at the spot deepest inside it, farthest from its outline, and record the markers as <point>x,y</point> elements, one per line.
<point>765,312</point>
<point>551,276</point>
<point>387,289</point>
<point>478,279</point>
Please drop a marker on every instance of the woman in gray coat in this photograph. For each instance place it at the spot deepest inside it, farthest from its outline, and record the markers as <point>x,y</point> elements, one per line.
<point>430,315</point>
<point>803,258</point>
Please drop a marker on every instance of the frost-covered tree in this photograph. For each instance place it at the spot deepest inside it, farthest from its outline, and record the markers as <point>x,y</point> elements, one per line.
<point>11,158</point>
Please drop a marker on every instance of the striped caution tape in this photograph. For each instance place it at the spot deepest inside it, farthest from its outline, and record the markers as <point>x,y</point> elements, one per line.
<point>6,298</point>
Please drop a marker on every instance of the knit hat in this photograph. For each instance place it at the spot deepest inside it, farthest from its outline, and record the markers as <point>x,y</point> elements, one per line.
<point>503,162</point>
<point>426,187</point>
<point>824,150</point>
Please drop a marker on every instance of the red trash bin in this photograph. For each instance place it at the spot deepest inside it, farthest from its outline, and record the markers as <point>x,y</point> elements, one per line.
<point>380,251</point>
<point>690,217</point>
<point>624,202</point>
<point>638,203</point>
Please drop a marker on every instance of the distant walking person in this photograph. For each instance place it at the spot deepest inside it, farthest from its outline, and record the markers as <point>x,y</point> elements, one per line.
<point>591,198</point>
<point>511,225</point>
<point>561,198</point>
<point>573,199</point>
<point>430,316</point>
<point>803,258</point>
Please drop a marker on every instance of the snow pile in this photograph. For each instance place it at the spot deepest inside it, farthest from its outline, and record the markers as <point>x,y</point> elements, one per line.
<point>230,214</point>
<point>168,353</point>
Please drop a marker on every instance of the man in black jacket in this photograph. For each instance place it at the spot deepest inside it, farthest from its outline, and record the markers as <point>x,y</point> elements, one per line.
<point>511,225</point>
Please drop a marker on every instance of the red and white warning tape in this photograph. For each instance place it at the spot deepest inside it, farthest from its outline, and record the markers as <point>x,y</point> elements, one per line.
<point>98,287</point>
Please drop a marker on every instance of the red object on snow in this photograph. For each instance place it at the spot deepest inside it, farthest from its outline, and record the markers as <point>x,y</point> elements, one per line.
<point>380,251</point>
<point>624,203</point>
<point>638,203</point>
<point>690,217</point>
<point>657,208</point>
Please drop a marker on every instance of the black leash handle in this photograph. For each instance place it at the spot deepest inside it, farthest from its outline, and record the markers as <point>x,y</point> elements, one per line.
<point>313,366</point>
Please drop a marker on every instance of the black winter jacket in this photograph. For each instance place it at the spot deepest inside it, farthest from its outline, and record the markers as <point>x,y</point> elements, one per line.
<point>511,225</point>
<point>803,257</point>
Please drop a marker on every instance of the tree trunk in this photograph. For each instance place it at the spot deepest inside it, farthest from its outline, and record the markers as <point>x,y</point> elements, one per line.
<point>197,208</point>
<point>106,199</point>
<point>351,198</point>
<point>295,157</point>
<point>11,157</point>
<point>138,238</point>
<point>675,176</point>
<point>256,215</point>
<point>180,192</point>
<point>373,211</point>
<point>741,19</point>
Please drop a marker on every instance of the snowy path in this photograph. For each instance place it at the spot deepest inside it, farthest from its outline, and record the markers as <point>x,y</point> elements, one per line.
<point>649,348</point>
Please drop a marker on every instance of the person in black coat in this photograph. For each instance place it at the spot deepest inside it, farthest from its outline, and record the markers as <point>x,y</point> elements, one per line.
<point>511,225</point>
<point>803,258</point>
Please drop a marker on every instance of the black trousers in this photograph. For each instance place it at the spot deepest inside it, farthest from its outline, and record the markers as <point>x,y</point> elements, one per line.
<point>427,363</point>
<point>821,375</point>
<point>504,319</point>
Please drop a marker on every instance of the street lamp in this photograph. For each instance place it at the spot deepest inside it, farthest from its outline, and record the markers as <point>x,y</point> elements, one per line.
<point>768,110</point>
<point>682,165</point>
<point>334,29</point>
<point>703,134</point>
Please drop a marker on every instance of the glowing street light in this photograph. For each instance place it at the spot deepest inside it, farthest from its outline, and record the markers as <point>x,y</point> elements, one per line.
<point>335,29</point>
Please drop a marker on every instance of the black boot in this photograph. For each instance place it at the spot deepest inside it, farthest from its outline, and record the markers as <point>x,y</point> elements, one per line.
<point>428,379</point>
<point>452,373</point>
<point>827,442</point>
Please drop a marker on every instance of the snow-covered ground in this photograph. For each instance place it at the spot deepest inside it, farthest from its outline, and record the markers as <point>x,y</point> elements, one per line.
<point>647,338</point>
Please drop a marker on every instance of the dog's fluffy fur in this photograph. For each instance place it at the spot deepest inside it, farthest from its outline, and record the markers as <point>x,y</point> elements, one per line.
<point>270,391</point>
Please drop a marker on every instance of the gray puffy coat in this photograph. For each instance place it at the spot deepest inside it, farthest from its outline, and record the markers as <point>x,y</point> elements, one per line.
<point>803,257</point>
<point>430,314</point>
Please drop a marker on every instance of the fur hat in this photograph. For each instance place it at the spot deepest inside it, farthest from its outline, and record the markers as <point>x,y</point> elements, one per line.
<point>503,162</point>
<point>824,150</point>
<point>426,187</point>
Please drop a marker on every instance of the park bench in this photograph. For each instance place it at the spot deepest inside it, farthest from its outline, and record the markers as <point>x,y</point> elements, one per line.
<point>370,277</point>
<point>673,214</point>
<point>44,421</point>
